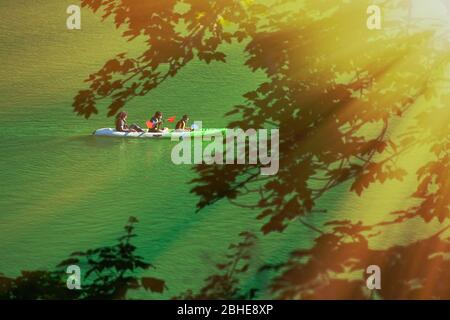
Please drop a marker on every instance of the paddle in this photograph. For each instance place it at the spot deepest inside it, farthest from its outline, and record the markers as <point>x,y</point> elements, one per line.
<point>151,125</point>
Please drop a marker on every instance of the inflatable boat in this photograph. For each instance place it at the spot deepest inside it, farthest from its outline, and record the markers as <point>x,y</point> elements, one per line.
<point>109,132</point>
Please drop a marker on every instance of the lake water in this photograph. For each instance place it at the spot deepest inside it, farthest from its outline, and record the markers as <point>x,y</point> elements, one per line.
<point>64,190</point>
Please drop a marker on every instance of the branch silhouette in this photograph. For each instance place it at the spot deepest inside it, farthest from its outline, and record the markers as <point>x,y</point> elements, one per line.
<point>108,273</point>
<point>335,90</point>
<point>225,284</point>
<point>334,268</point>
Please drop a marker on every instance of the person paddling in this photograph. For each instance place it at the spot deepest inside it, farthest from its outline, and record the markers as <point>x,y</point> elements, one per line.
<point>156,122</point>
<point>182,124</point>
<point>121,124</point>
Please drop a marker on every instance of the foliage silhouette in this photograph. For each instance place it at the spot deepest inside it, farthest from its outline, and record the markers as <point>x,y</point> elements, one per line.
<point>122,78</point>
<point>225,284</point>
<point>111,273</point>
<point>415,271</point>
<point>335,90</point>
<point>323,103</point>
<point>36,285</point>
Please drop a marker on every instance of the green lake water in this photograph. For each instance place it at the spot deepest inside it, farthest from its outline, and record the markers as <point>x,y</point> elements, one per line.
<point>64,190</point>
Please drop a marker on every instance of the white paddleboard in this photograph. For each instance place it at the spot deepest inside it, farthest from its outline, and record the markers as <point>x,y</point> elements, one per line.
<point>109,132</point>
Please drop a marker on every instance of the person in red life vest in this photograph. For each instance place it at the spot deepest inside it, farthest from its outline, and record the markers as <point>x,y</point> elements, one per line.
<point>155,124</point>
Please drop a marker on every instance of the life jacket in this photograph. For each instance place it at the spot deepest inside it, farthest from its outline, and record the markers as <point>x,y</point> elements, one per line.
<point>156,123</point>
